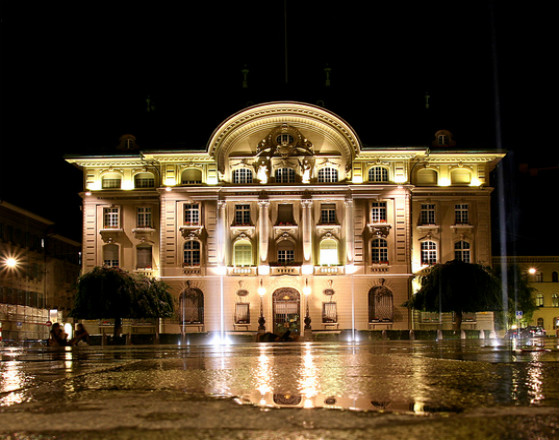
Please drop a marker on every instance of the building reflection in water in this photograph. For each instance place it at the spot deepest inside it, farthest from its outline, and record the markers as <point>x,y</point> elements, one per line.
<point>13,380</point>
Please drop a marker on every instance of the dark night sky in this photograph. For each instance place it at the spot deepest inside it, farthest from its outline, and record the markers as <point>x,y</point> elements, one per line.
<point>75,77</point>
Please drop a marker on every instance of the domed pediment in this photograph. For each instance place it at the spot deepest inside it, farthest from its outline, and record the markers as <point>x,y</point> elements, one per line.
<point>284,130</point>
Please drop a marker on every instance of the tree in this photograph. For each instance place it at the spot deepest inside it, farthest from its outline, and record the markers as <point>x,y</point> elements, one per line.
<point>108,292</point>
<point>458,287</point>
<point>520,294</point>
<point>105,292</point>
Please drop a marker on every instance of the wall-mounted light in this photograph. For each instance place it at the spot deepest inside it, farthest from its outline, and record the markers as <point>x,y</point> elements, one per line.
<point>306,289</point>
<point>261,290</point>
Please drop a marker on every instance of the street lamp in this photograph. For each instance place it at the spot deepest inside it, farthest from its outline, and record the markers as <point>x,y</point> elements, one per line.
<point>307,292</point>
<point>261,290</point>
<point>11,262</point>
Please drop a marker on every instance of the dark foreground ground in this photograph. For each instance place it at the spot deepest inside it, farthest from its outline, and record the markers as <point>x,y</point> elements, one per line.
<point>376,390</point>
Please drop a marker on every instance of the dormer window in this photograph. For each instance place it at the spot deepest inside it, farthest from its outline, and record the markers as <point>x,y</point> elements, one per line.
<point>242,175</point>
<point>285,175</point>
<point>378,174</point>
<point>327,175</point>
<point>443,138</point>
<point>111,181</point>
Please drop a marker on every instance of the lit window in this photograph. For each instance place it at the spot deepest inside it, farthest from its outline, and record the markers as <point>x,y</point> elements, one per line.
<point>111,255</point>
<point>191,253</point>
<point>144,217</point>
<point>110,218</point>
<point>379,251</point>
<point>463,251</point>
<point>285,175</point>
<point>555,300</point>
<point>462,214</point>
<point>539,300</point>
<point>286,252</point>
<point>428,214</point>
<point>428,252</point>
<point>242,253</point>
<point>328,252</point>
<point>242,214</point>
<point>191,177</point>
<point>284,139</point>
<point>111,181</point>
<point>242,175</point>
<point>144,180</point>
<point>192,214</point>
<point>328,214</point>
<point>379,212</point>
<point>378,174</point>
<point>328,175</point>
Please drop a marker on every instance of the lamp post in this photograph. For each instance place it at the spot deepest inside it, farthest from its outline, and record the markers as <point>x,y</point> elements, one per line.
<point>307,335</point>
<point>261,290</point>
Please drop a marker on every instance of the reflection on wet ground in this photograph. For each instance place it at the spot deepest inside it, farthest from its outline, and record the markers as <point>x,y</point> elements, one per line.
<point>402,378</point>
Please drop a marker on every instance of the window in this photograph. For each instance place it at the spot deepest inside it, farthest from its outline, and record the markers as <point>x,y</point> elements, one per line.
<point>378,174</point>
<point>111,181</point>
<point>144,257</point>
<point>144,180</point>
<point>428,214</point>
<point>328,252</point>
<point>540,322</point>
<point>328,175</point>
<point>380,304</point>
<point>462,214</point>
<point>426,177</point>
<point>539,300</point>
<point>144,218</point>
<point>191,306</point>
<point>110,218</point>
<point>191,253</point>
<point>428,252</point>
<point>286,252</point>
<point>192,214</point>
<point>329,312</point>
<point>379,212</point>
<point>111,255</point>
<point>242,214</point>
<point>191,177</point>
<point>242,253</point>
<point>463,251</point>
<point>328,214</point>
<point>242,175</point>
<point>379,253</point>
<point>242,315</point>
<point>554,300</point>
<point>554,277</point>
<point>284,139</point>
<point>442,139</point>
<point>285,215</point>
<point>460,177</point>
<point>285,175</point>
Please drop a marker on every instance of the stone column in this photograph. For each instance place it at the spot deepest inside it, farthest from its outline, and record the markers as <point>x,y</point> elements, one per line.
<point>221,232</point>
<point>349,230</point>
<point>263,230</point>
<point>306,206</point>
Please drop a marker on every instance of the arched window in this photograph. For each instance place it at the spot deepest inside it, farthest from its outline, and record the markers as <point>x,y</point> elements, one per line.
<point>379,252</point>
<point>242,253</point>
<point>191,176</point>
<point>540,322</point>
<point>428,252</point>
<point>143,256</point>
<point>242,175</point>
<point>191,306</point>
<point>378,174</point>
<point>191,253</point>
<point>463,251</point>
<point>327,175</point>
<point>285,252</point>
<point>426,177</point>
<point>285,175</point>
<point>460,176</point>
<point>111,255</point>
<point>554,277</point>
<point>328,252</point>
<point>111,181</point>
<point>380,302</point>
<point>539,299</point>
<point>144,180</point>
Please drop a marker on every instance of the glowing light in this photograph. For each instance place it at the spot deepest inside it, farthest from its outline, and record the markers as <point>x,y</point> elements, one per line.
<point>475,181</point>
<point>264,270</point>
<point>400,179</point>
<point>219,340</point>
<point>11,262</point>
<point>127,185</point>
<point>168,188</point>
<point>212,180</point>
<point>170,181</point>
<point>444,181</point>
<point>94,186</point>
<point>306,289</point>
<point>88,193</point>
<point>532,271</point>
<point>261,290</point>
<point>357,179</point>
<point>350,269</point>
<point>307,269</point>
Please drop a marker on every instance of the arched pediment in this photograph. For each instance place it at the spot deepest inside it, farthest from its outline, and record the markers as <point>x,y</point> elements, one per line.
<point>318,131</point>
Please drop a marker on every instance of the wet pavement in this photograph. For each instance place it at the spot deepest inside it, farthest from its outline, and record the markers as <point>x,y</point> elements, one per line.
<point>383,390</point>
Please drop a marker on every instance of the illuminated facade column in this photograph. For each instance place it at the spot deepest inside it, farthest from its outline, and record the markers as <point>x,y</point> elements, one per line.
<point>263,230</point>
<point>349,230</point>
<point>307,205</point>
<point>221,232</point>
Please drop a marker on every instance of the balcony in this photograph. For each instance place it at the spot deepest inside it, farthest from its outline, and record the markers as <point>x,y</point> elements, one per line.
<point>192,270</point>
<point>242,271</point>
<point>110,235</point>
<point>190,230</point>
<point>293,269</point>
<point>328,270</point>
<point>379,229</point>
<point>144,233</point>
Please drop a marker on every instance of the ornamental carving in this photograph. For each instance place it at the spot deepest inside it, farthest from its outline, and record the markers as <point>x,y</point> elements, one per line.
<point>284,141</point>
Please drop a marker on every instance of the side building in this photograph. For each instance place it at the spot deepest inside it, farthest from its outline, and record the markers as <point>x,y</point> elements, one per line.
<point>38,272</point>
<point>286,221</point>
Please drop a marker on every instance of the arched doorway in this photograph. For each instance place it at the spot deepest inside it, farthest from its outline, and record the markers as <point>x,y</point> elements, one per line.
<point>285,309</point>
<point>380,302</point>
<point>191,306</point>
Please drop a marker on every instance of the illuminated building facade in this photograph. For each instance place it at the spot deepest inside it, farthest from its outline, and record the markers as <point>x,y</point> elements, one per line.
<point>542,275</point>
<point>286,214</point>
<point>38,271</point>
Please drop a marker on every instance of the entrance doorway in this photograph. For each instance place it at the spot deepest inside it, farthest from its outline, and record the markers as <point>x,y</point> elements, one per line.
<point>285,308</point>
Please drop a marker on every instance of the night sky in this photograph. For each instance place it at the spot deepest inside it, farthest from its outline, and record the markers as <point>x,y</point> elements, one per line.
<point>76,76</point>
